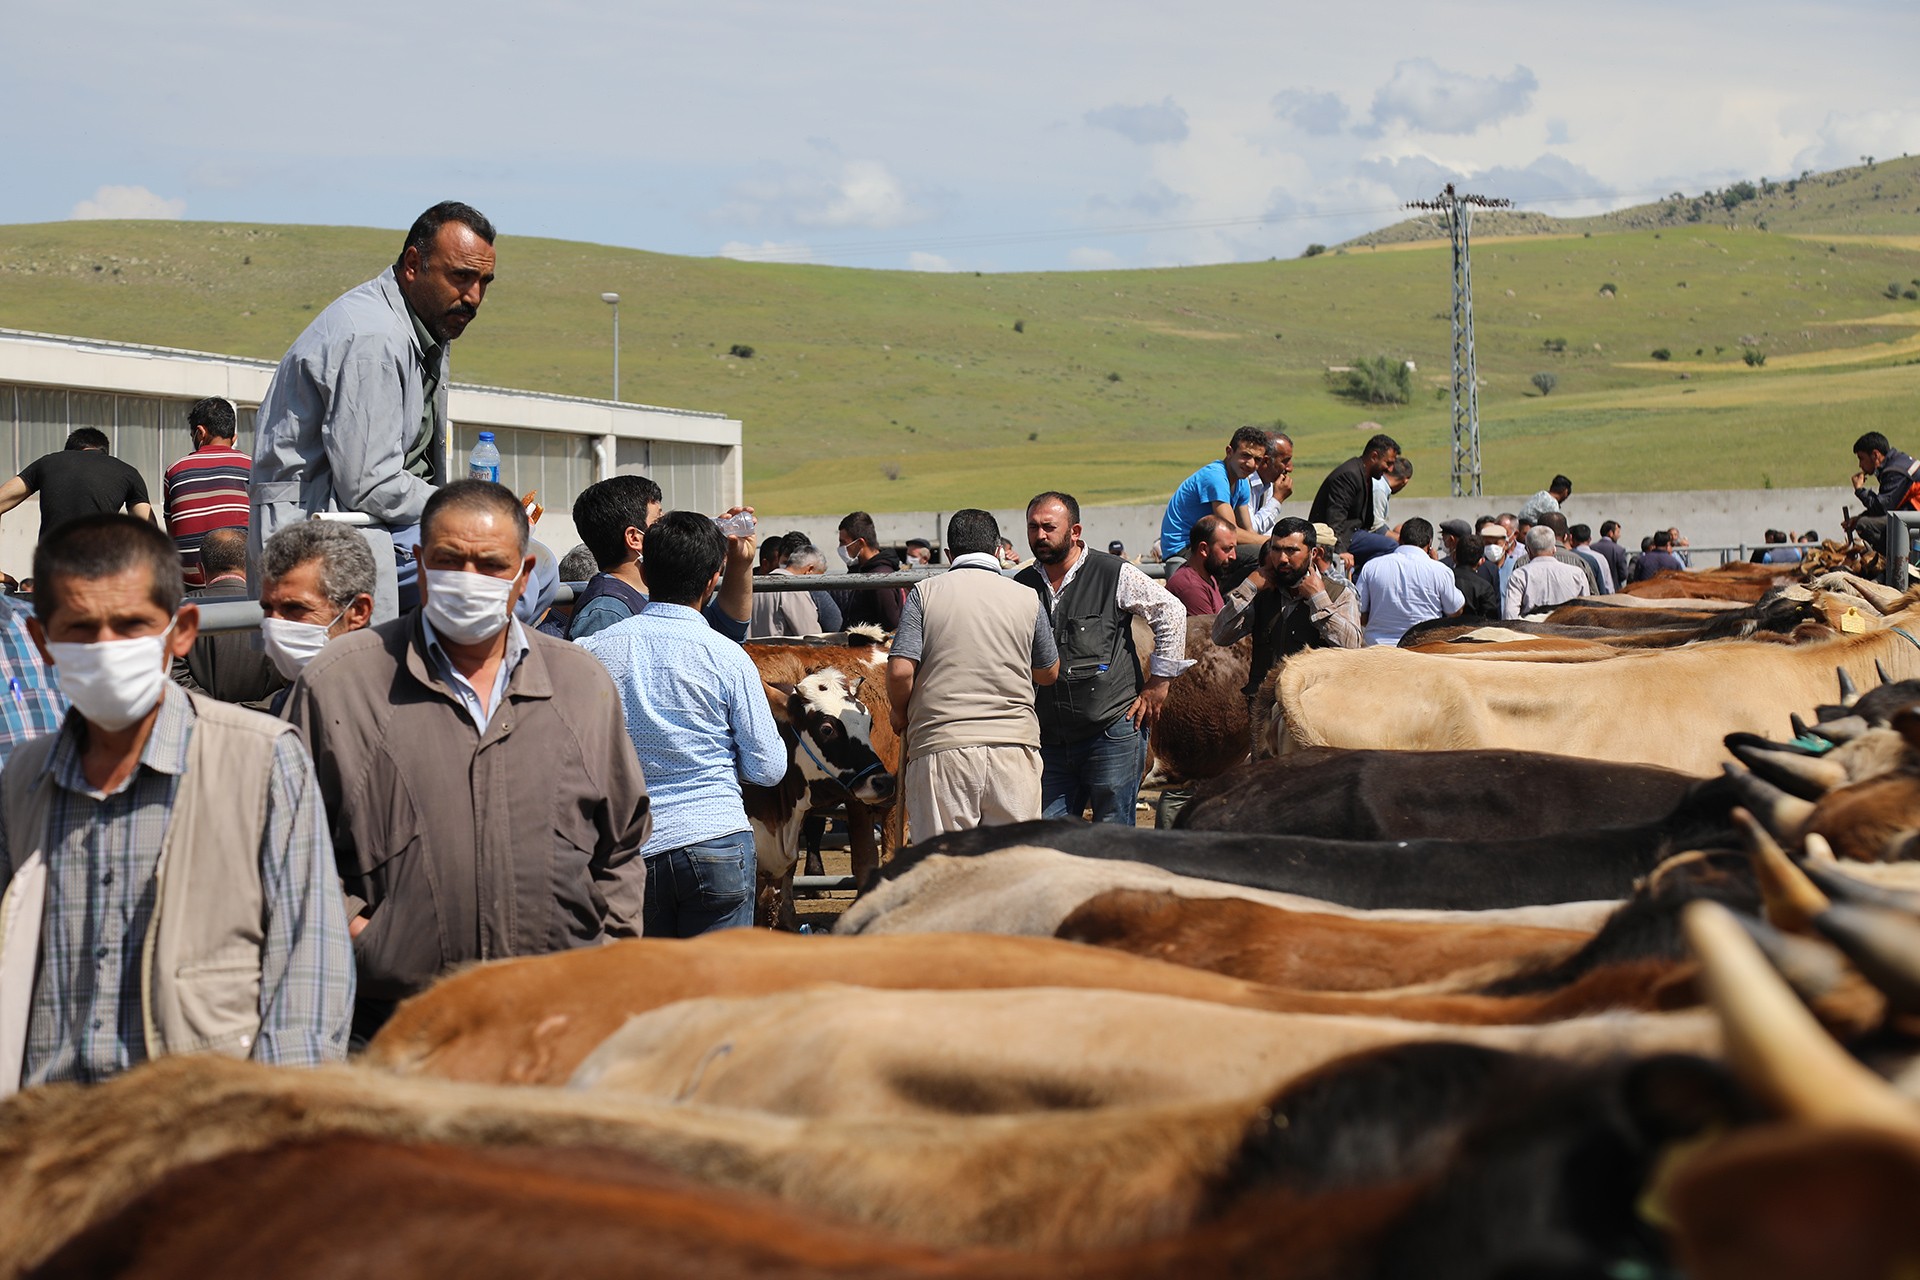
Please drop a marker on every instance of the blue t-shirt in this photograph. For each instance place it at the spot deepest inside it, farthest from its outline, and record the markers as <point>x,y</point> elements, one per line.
<point>1195,498</point>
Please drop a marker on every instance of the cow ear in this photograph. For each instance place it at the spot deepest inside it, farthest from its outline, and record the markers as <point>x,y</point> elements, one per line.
<point>853,686</point>
<point>777,695</point>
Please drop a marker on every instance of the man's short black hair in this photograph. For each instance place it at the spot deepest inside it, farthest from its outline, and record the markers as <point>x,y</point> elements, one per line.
<point>1202,532</point>
<point>426,228</point>
<point>1812,535</point>
<point>1380,444</point>
<point>1416,532</point>
<point>795,538</point>
<point>1554,521</point>
<point>1560,485</point>
<point>1608,528</point>
<point>1067,500</point>
<point>971,529</point>
<point>606,509</point>
<point>94,547</point>
<point>215,413</point>
<point>922,543</point>
<point>1402,468</point>
<point>1872,442</point>
<point>858,525</point>
<point>1248,435</point>
<point>684,550</point>
<point>475,495</point>
<point>223,551</point>
<point>1468,551</point>
<point>1580,533</point>
<point>88,438</point>
<point>1287,526</point>
<point>1661,538</point>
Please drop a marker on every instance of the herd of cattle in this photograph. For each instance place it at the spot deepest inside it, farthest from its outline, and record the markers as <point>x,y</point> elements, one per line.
<point>1584,948</point>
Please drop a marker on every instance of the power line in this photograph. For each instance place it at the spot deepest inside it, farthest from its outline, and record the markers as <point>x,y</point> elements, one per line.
<point>1005,239</point>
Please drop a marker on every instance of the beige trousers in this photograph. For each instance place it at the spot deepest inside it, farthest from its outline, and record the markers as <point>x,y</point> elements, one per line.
<point>964,787</point>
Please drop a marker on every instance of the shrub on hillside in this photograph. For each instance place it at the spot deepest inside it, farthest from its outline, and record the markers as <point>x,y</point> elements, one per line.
<point>1313,251</point>
<point>1754,357</point>
<point>1019,326</point>
<point>1377,380</point>
<point>742,350</point>
<point>1609,290</point>
<point>1544,383</point>
<point>1555,344</point>
<point>1662,353</point>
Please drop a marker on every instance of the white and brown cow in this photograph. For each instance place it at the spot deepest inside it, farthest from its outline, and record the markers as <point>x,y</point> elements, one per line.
<point>828,734</point>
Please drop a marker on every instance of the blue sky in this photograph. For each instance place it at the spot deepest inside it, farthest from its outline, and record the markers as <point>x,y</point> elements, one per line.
<point>984,135</point>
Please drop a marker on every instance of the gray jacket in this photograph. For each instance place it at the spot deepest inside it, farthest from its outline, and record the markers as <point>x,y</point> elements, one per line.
<point>347,399</point>
<point>464,845</point>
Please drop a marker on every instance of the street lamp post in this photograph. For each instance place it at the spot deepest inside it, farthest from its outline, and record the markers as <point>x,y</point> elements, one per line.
<point>613,300</point>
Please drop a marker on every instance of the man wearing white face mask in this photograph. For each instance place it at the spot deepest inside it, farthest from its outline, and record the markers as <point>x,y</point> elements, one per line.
<point>485,798</point>
<point>163,856</point>
<point>316,582</point>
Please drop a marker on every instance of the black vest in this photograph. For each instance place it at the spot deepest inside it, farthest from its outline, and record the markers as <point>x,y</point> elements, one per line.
<point>1099,666</point>
<point>1283,624</point>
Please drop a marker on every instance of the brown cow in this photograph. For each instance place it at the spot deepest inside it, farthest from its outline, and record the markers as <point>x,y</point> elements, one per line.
<point>1306,949</point>
<point>863,662</point>
<point>1202,730</point>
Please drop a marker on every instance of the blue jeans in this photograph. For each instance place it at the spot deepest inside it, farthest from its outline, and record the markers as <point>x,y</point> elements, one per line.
<point>700,887</point>
<point>1104,772</point>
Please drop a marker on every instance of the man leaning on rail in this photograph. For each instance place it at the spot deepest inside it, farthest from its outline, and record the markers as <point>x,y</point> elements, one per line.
<point>356,416</point>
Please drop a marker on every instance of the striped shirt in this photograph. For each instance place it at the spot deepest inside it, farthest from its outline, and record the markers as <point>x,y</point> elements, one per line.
<point>204,491</point>
<point>102,849</point>
<point>32,703</point>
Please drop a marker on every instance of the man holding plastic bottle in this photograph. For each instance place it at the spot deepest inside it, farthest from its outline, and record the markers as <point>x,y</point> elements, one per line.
<point>356,416</point>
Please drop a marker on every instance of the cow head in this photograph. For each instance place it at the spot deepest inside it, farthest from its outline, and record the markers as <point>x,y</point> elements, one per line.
<point>834,730</point>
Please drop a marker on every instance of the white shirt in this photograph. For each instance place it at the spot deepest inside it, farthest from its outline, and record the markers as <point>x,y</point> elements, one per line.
<point>1541,584</point>
<point>1405,588</point>
<point>1142,596</point>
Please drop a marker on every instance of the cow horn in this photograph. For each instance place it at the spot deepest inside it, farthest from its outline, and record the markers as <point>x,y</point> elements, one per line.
<point>1773,1043</point>
<point>1845,729</point>
<point>1850,890</point>
<point>1808,777</point>
<point>1791,900</point>
<point>1880,669</point>
<point>1815,846</point>
<point>1780,813</point>
<point>1848,694</point>
<point>1811,967</point>
<point>1799,726</point>
<point>1884,945</point>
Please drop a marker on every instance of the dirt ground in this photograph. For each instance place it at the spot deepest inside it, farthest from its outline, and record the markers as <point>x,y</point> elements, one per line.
<point>824,907</point>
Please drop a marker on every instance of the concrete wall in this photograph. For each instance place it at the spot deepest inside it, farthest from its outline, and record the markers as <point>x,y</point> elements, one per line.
<point>1707,517</point>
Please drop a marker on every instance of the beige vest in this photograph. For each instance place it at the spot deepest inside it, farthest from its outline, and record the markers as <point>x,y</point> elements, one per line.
<point>202,951</point>
<point>974,685</point>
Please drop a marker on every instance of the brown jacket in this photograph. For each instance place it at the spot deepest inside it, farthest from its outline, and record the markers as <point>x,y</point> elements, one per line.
<point>464,847</point>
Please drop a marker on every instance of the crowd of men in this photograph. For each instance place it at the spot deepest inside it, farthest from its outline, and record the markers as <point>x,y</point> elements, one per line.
<point>423,763</point>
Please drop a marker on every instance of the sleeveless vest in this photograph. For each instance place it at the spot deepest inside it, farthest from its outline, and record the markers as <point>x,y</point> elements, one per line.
<point>1099,666</point>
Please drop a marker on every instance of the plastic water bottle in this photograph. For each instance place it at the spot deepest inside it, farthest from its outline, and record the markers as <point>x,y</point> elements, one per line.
<point>740,524</point>
<point>484,462</point>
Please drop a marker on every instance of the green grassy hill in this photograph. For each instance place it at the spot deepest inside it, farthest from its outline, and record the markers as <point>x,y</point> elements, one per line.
<point>899,390</point>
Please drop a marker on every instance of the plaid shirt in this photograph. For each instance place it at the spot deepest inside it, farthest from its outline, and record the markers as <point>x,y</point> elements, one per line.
<point>32,704</point>
<point>102,849</point>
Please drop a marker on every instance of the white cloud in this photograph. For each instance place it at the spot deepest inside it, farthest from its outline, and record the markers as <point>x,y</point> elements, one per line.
<point>835,194</point>
<point>1092,259</point>
<point>768,251</point>
<point>1164,121</point>
<point>1318,114</point>
<point>1843,139</point>
<point>1428,98</point>
<point>1544,178</point>
<point>127,202</point>
<point>920,261</point>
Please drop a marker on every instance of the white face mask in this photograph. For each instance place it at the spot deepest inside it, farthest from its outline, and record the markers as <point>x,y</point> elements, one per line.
<point>467,608</point>
<point>846,554</point>
<point>1494,551</point>
<point>292,645</point>
<point>112,683</point>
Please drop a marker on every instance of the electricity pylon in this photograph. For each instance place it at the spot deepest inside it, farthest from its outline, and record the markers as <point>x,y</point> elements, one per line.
<point>1458,209</point>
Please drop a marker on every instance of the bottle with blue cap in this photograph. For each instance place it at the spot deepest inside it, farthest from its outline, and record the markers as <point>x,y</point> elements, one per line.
<point>484,462</point>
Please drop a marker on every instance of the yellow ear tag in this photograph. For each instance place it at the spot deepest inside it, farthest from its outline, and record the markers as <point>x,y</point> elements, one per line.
<point>1851,622</point>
